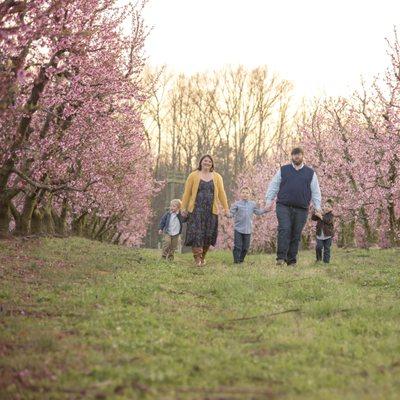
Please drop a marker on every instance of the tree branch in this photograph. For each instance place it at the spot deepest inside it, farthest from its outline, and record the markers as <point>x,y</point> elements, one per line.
<point>51,188</point>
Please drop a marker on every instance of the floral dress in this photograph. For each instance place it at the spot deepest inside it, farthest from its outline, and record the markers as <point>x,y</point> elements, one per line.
<point>202,225</point>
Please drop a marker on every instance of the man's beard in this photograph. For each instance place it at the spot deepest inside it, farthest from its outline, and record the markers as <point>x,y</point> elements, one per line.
<point>297,162</point>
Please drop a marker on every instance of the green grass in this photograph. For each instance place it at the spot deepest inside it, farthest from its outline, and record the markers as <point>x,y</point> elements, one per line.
<point>84,320</point>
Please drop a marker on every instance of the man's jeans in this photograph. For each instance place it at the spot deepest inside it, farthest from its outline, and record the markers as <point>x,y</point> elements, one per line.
<point>241,246</point>
<point>291,222</point>
<point>326,246</point>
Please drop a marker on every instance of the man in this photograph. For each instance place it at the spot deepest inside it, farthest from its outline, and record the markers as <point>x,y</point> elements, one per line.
<point>295,185</point>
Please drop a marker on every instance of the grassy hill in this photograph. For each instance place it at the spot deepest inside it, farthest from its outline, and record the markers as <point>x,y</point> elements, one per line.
<point>84,320</point>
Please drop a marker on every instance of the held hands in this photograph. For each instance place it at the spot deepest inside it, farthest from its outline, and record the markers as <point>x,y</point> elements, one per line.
<point>160,231</point>
<point>184,214</point>
<point>268,206</point>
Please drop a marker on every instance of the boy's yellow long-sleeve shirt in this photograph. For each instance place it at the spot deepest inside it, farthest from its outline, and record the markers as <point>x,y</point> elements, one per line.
<point>192,187</point>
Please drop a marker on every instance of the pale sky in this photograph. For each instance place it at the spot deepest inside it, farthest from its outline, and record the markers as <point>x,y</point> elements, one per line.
<point>322,46</point>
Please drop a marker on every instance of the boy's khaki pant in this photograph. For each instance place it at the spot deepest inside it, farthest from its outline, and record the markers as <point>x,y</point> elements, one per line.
<point>170,244</point>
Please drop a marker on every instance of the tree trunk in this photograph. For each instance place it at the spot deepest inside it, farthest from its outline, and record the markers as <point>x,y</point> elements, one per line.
<point>369,233</point>
<point>48,221</point>
<point>78,224</point>
<point>61,220</point>
<point>101,230</point>
<point>346,234</point>
<point>92,231</point>
<point>117,238</point>
<point>23,224</point>
<point>37,222</point>
<point>393,224</point>
<point>5,217</point>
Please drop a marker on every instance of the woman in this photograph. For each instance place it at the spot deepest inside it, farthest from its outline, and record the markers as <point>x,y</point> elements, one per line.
<point>204,188</point>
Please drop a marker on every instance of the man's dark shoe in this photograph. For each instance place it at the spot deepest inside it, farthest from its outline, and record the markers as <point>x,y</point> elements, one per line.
<point>292,263</point>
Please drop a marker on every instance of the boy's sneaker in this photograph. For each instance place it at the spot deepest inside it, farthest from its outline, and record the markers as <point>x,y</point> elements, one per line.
<point>280,262</point>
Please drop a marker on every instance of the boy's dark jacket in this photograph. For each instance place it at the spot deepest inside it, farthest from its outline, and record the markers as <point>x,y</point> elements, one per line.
<point>325,225</point>
<point>164,222</point>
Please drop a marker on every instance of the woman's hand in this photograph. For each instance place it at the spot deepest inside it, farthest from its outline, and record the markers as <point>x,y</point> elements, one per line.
<point>184,214</point>
<point>160,231</point>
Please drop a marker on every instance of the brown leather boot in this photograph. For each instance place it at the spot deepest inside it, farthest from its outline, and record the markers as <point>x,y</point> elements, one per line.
<point>203,255</point>
<point>197,255</point>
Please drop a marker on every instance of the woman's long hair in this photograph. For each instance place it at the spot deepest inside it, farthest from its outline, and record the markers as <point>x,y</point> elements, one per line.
<point>201,160</point>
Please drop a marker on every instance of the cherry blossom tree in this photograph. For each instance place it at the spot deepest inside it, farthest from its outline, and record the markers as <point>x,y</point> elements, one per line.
<point>354,146</point>
<point>72,143</point>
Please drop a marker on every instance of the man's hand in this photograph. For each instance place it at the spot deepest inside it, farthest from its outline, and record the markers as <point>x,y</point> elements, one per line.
<point>160,232</point>
<point>318,213</point>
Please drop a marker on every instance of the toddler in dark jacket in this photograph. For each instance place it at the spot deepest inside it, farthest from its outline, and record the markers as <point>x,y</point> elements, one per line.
<point>171,228</point>
<point>324,233</point>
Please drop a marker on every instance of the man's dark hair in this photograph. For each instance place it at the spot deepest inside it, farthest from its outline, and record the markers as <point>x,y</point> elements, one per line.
<point>297,150</point>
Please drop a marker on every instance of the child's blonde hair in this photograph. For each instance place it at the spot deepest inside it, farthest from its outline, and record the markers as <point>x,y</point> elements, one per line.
<point>176,202</point>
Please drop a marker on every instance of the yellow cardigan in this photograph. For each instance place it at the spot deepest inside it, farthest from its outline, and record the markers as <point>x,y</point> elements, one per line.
<point>192,186</point>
